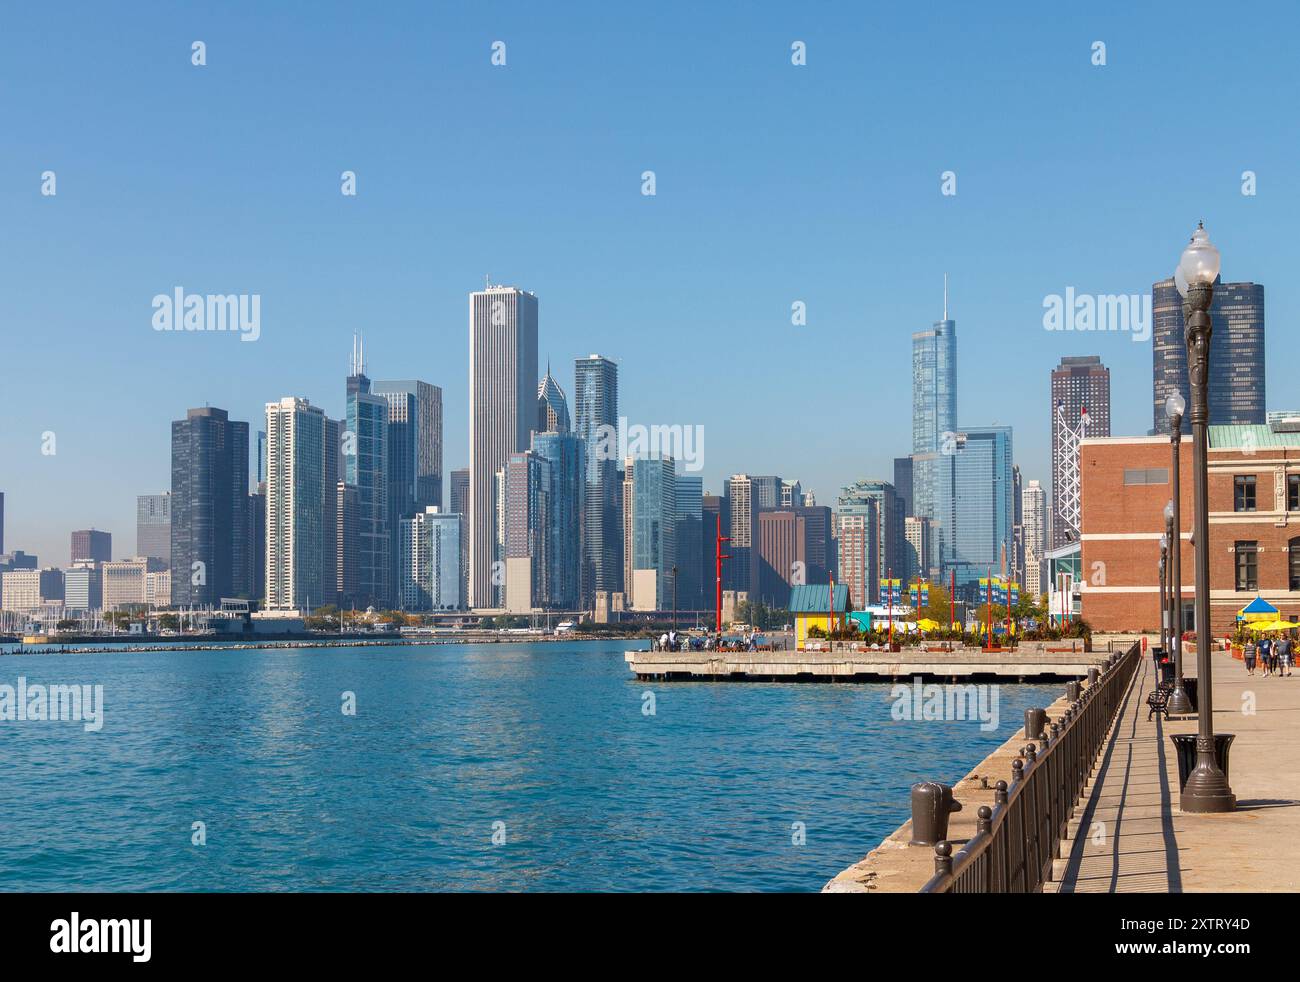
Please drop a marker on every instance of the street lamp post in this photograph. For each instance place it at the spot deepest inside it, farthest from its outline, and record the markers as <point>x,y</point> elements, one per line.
<point>1207,787</point>
<point>1164,599</point>
<point>1180,704</point>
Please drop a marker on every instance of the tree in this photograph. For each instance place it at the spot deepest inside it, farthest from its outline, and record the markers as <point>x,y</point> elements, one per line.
<point>938,609</point>
<point>169,622</point>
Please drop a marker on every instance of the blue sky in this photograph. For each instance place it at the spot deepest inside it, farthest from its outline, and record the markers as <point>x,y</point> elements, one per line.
<point>775,184</point>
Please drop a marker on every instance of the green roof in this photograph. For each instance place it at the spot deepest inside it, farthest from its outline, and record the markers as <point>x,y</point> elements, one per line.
<point>1258,435</point>
<point>812,598</point>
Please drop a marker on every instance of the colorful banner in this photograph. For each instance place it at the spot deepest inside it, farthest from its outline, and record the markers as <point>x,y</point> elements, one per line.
<point>891,592</point>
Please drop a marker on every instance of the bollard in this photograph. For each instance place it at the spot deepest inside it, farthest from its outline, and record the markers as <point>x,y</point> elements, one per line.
<point>1072,691</point>
<point>984,822</point>
<point>932,803</point>
<point>942,858</point>
<point>1035,721</point>
<point>1000,793</point>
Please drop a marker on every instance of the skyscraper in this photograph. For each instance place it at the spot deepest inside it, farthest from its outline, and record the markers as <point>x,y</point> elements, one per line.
<point>782,554</point>
<point>651,496</point>
<point>918,559</point>
<point>414,460</point>
<point>552,407</point>
<point>92,544</point>
<point>295,491</point>
<point>690,536</point>
<point>153,526</point>
<point>857,518</point>
<point>502,411</point>
<point>1077,383</point>
<point>1236,383</point>
<point>747,496</point>
<point>209,508</point>
<point>595,394</point>
<point>903,484</point>
<point>934,422</point>
<point>886,553</point>
<point>524,535</point>
<point>1033,498</point>
<point>982,511</point>
<point>564,452</point>
<point>430,561</point>
<point>366,469</point>
<point>458,495</point>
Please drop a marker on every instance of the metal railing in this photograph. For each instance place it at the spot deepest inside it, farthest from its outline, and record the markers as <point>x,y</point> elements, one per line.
<point>1017,839</point>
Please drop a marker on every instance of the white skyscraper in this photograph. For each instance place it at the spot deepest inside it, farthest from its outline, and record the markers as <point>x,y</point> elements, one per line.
<point>1033,503</point>
<point>502,413</point>
<point>429,561</point>
<point>295,488</point>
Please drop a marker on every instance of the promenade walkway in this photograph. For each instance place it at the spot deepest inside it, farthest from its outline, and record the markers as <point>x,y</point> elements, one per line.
<point>1129,836</point>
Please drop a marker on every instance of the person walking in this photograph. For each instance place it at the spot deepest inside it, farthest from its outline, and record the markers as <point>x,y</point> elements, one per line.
<point>1266,655</point>
<point>1284,653</point>
<point>1248,656</point>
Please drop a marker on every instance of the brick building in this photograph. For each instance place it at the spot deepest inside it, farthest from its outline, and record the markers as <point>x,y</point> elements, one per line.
<point>1254,485</point>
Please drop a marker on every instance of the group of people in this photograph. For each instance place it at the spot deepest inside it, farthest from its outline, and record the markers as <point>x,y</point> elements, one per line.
<point>1275,655</point>
<point>672,641</point>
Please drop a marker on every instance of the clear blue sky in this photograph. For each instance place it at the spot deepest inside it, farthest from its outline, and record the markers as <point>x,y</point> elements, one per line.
<point>775,183</point>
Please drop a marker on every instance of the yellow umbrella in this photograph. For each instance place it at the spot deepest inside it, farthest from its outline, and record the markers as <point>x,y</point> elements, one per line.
<point>926,624</point>
<point>1274,625</point>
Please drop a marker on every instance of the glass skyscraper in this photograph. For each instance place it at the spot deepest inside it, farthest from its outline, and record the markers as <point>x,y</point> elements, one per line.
<point>210,541</point>
<point>153,526</point>
<point>652,530</point>
<point>366,469</point>
<point>1236,353</point>
<point>565,453</point>
<point>595,402</point>
<point>429,561</point>
<point>934,423</point>
<point>983,509</point>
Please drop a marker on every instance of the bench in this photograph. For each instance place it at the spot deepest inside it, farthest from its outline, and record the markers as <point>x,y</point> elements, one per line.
<point>1158,700</point>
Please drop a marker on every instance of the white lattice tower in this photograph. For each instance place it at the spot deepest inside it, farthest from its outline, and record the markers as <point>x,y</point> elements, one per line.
<point>1067,469</point>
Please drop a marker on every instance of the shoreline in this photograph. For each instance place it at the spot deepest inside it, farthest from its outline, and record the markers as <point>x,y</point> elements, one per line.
<point>100,646</point>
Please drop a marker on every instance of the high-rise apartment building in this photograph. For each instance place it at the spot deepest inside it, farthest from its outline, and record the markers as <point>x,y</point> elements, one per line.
<point>650,494</point>
<point>1078,383</point>
<point>430,561</point>
<point>1236,382</point>
<point>153,526</point>
<point>918,559</point>
<point>502,412</point>
<point>458,497</point>
<point>209,509</point>
<point>564,452</point>
<point>595,395</point>
<point>887,553</point>
<point>296,537</point>
<point>1033,499</point>
<point>524,536</point>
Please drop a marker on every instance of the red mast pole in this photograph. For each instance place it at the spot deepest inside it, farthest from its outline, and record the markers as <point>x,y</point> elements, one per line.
<point>952,599</point>
<point>719,557</point>
<point>889,579</point>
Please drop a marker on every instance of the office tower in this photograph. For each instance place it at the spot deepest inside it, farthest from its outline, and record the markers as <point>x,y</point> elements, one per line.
<point>651,499</point>
<point>857,521</point>
<point>92,544</point>
<point>83,587</point>
<point>295,530</point>
<point>459,497</point>
<point>332,457</point>
<point>934,422</point>
<point>791,494</point>
<point>524,515</point>
<point>257,546</point>
<point>595,394</point>
<point>261,456</point>
<point>747,497</point>
<point>1236,382</point>
<point>819,542</point>
<point>690,536</point>
<point>903,484</point>
<point>982,511</point>
<point>345,543</point>
<point>1033,498</point>
<point>887,553</point>
<point>366,469</point>
<point>1078,383</point>
<point>782,555</point>
<point>502,411</point>
<point>153,526</point>
<point>209,508</point>
<point>429,561</point>
<point>125,582</point>
<point>713,515</point>
<point>552,407</point>
<point>158,587</point>
<point>564,452</point>
<point>25,591</point>
<point>918,560</point>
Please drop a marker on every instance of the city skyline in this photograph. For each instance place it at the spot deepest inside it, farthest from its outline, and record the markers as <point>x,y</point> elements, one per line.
<point>802,244</point>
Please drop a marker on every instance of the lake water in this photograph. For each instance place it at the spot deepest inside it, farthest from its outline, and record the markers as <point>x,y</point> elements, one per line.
<point>545,748</point>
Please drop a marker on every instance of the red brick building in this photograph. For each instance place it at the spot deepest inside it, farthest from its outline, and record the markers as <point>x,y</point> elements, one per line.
<point>1254,478</point>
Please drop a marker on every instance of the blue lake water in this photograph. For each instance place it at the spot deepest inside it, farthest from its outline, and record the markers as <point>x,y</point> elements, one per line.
<point>546,745</point>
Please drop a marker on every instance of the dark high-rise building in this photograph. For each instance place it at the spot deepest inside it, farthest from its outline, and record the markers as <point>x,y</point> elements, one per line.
<point>153,526</point>
<point>459,496</point>
<point>92,545</point>
<point>714,515</point>
<point>209,501</point>
<point>1236,390</point>
<point>595,404</point>
<point>366,469</point>
<point>690,538</point>
<point>414,452</point>
<point>345,543</point>
<point>747,496</point>
<point>782,555</point>
<point>903,483</point>
<point>819,551</point>
<point>1078,383</point>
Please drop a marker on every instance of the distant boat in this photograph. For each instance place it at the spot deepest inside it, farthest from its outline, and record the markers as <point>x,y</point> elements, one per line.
<point>565,627</point>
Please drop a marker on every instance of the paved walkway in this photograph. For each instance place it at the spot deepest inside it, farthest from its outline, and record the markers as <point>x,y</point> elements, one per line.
<point>1129,836</point>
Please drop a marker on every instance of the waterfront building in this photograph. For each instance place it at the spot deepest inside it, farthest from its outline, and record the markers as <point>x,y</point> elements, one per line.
<point>650,494</point>
<point>524,513</point>
<point>983,510</point>
<point>366,469</point>
<point>502,411</point>
<point>459,498</point>
<point>1034,510</point>
<point>564,452</point>
<point>257,541</point>
<point>153,526</point>
<point>595,394</point>
<point>125,583</point>
<point>1078,383</point>
<point>93,545</point>
<point>83,587</point>
<point>295,492</point>
<point>818,605</point>
<point>209,509</point>
<point>1236,382</point>
<point>26,590</point>
<point>430,561</point>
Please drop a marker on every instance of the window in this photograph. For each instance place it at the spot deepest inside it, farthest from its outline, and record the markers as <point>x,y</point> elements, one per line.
<point>1149,475</point>
<point>1293,563</point>
<point>1293,492</point>
<point>1243,492</point>
<point>1247,566</point>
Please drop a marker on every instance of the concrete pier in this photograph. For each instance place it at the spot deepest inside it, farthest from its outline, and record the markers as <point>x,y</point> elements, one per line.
<point>1025,664</point>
